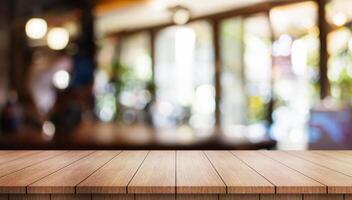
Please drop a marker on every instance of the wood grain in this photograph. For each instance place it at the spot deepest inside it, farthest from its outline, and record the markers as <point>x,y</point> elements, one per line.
<point>285,179</point>
<point>6,156</point>
<point>70,197</point>
<point>238,197</point>
<point>281,197</point>
<point>324,160</point>
<point>183,175</point>
<point>66,179</point>
<point>17,181</point>
<point>238,177</point>
<point>195,174</point>
<point>114,176</point>
<point>155,197</point>
<point>335,181</point>
<point>338,155</point>
<point>197,197</point>
<point>23,162</point>
<point>323,197</point>
<point>156,175</point>
<point>112,197</point>
<point>29,196</point>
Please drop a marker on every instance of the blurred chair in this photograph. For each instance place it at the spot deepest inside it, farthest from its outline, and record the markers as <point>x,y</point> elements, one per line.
<point>330,128</point>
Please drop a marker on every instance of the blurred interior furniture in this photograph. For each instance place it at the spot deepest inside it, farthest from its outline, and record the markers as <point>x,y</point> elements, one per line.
<point>330,129</point>
<point>114,136</point>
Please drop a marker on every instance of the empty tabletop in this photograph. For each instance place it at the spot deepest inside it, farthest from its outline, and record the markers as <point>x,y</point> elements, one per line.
<point>208,174</point>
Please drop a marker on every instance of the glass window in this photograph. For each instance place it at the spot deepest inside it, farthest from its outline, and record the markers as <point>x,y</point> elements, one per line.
<point>184,71</point>
<point>295,71</point>
<point>340,50</point>
<point>233,100</point>
<point>246,74</point>
<point>135,77</point>
<point>257,67</point>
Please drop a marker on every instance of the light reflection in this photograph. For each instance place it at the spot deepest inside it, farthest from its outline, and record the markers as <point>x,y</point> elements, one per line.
<point>184,52</point>
<point>299,57</point>
<point>282,47</point>
<point>48,130</point>
<point>204,102</point>
<point>106,106</point>
<point>165,108</point>
<point>339,19</point>
<point>143,69</point>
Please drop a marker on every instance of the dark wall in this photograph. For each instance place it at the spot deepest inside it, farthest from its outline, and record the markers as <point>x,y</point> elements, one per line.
<point>14,14</point>
<point>4,46</point>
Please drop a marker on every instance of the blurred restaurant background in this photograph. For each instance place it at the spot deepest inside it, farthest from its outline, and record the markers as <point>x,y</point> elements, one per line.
<point>175,74</point>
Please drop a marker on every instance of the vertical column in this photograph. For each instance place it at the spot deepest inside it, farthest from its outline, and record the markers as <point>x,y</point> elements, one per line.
<point>269,117</point>
<point>217,71</point>
<point>152,55</point>
<point>5,28</point>
<point>87,44</point>
<point>323,28</point>
<point>84,61</point>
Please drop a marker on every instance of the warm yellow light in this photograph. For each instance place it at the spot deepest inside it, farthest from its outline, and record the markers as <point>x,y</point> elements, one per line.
<point>58,38</point>
<point>61,79</point>
<point>36,28</point>
<point>181,16</point>
<point>339,19</point>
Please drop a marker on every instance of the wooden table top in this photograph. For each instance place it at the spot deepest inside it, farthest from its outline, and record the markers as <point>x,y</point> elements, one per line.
<point>181,172</point>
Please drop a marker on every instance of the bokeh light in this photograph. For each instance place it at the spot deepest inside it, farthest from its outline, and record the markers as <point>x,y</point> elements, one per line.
<point>36,28</point>
<point>61,79</point>
<point>58,38</point>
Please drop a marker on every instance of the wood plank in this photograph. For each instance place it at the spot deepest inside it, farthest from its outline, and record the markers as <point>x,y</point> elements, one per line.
<point>197,197</point>
<point>281,197</point>
<point>114,176</point>
<point>238,177</point>
<point>29,197</point>
<point>17,181</point>
<point>323,160</point>
<point>155,197</point>
<point>70,197</point>
<point>7,156</point>
<point>23,162</point>
<point>238,197</point>
<point>285,179</point>
<point>339,155</point>
<point>335,181</point>
<point>348,197</point>
<point>323,197</point>
<point>195,174</point>
<point>66,179</point>
<point>156,175</point>
<point>112,197</point>
<point>4,196</point>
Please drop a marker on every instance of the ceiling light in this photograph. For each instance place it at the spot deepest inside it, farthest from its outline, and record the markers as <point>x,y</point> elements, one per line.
<point>61,79</point>
<point>181,15</point>
<point>58,38</point>
<point>36,28</point>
